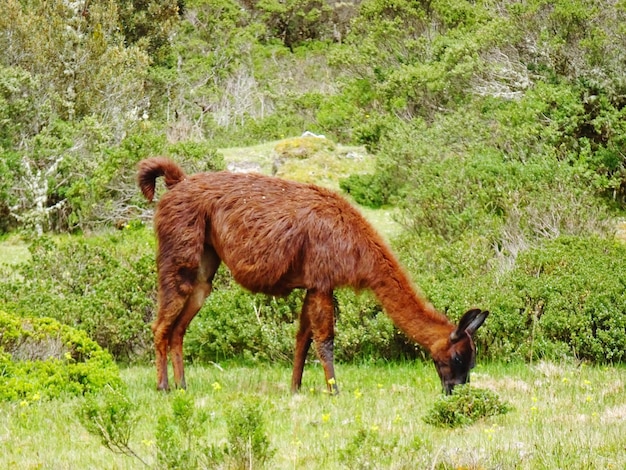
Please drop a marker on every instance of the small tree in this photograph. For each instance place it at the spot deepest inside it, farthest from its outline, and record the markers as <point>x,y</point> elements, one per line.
<point>32,209</point>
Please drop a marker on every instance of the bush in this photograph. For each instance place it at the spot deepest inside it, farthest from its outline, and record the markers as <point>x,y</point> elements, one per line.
<point>367,190</point>
<point>234,323</point>
<point>465,406</point>
<point>41,359</point>
<point>248,444</point>
<point>104,285</point>
<point>561,298</point>
<point>572,298</point>
<point>111,417</point>
<point>179,436</point>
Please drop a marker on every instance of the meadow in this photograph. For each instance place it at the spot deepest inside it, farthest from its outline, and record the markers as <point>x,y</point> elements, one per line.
<point>565,415</point>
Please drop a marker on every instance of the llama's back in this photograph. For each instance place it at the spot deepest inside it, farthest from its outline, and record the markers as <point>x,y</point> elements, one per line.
<point>274,235</point>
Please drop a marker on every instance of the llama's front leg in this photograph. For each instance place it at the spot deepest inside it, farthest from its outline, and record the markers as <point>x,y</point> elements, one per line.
<point>193,305</point>
<point>303,342</point>
<point>321,310</point>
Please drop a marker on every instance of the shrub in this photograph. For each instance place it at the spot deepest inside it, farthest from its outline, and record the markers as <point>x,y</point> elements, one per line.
<point>41,358</point>
<point>367,189</point>
<point>248,443</point>
<point>572,297</point>
<point>466,405</point>
<point>179,437</point>
<point>235,323</point>
<point>370,448</point>
<point>111,417</point>
<point>104,285</point>
<point>561,298</point>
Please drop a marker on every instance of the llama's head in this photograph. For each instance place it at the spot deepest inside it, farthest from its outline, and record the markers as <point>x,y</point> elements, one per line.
<point>457,355</point>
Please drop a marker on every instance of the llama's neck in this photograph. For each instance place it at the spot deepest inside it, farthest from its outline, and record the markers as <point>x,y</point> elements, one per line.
<point>414,315</point>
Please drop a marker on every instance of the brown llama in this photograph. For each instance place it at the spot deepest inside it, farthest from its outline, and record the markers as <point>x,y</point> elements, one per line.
<point>276,236</point>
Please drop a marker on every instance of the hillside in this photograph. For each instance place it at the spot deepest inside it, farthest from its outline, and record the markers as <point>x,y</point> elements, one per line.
<point>492,132</point>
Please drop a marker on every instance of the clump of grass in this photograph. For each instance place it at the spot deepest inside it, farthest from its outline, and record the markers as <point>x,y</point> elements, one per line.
<point>465,406</point>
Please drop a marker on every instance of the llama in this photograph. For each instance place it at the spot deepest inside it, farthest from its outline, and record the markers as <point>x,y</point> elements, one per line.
<point>275,236</point>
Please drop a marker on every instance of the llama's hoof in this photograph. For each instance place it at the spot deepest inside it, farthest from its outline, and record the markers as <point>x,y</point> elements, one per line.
<point>163,388</point>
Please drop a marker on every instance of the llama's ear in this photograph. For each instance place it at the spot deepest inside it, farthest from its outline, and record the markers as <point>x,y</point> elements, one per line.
<point>469,323</point>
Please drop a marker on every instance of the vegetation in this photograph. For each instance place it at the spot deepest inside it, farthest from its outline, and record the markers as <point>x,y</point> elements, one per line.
<point>41,359</point>
<point>563,415</point>
<point>496,130</point>
<point>466,405</point>
<point>492,132</point>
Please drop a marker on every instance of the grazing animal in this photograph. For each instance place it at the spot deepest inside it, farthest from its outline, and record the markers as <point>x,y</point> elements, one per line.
<point>276,236</point>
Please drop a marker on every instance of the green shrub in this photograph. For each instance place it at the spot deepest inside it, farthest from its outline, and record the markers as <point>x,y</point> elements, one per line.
<point>561,298</point>
<point>466,405</point>
<point>572,293</point>
<point>104,285</point>
<point>367,190</point>
<point>557,298</point>
<point>179,437</point>
<point>371,448</point>
<point>236,323</point>
<point>248,443</point>
<point>41,358</point>
<point>111,417</point>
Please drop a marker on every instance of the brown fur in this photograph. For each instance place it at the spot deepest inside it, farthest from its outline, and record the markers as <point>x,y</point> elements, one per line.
<point>276,236</point>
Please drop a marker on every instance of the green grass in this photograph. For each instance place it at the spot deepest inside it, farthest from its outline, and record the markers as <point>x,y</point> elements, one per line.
<point>564,416</point>
<point>13,250</point>
<point>324,168</point>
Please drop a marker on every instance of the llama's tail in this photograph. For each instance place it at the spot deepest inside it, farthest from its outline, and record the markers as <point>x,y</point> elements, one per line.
<point>151,168</point>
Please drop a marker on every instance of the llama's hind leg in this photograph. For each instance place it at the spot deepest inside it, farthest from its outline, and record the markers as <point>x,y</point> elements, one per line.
<point>304,338</point>
<point>169,308</point>
<point>320,308</point>
<point>202,288</point>
<point>191,308</point>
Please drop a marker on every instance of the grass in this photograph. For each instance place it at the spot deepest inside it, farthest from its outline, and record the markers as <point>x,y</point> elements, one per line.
<point>324,167</point>
<point>564,416</point>
<point>13,250</point>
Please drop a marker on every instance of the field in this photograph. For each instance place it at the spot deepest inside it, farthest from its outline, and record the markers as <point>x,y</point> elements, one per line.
<point>564,416</point>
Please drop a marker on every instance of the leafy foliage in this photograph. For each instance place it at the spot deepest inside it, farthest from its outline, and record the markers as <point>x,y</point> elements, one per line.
<point>466,405</point>
<point>110,416</point>
<point>179,436</point>
<point>557,301</point>
<point>248,443</point>
<point>367,189</point>
<point>42,359</point>
<point>103,286</point>
<point>235,323</point>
